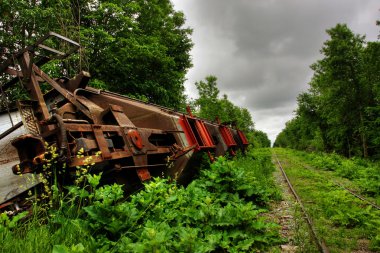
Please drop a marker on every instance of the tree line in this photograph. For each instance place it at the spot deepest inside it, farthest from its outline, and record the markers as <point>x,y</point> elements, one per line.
<point>134,47</point>
<point>340,111</point>
<point>211,106</point>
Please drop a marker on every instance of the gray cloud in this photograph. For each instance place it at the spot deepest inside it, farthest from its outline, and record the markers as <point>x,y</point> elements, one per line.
<point>261,50</point>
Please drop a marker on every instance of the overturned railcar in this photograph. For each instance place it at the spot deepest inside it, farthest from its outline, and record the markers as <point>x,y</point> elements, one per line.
<point>128,140</point>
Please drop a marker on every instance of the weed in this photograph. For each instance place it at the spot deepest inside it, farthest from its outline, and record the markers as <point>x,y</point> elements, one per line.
<point>219,211</point>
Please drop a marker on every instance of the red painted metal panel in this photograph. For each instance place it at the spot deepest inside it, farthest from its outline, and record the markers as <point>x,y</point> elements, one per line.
<point>204,134</point>
<point>227,136</point>
<point>190,137</point>
<point>196,133</point>
<point>242,137</point>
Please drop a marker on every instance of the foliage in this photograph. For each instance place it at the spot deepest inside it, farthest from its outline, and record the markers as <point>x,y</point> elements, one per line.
<point>340,111</point>
<point>340,218</point>
<point>131,47</point>
<point>259,139</point>
<point>364,173</point>
<point>300,135</point>
<point>326,161</point>
<point>219,211</point>
<point>210,106</point>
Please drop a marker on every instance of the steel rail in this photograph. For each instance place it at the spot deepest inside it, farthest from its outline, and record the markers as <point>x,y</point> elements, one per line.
<point>358,196</point>
<point>348,190</point>
<point>10,130</point>
<point>320,242</point>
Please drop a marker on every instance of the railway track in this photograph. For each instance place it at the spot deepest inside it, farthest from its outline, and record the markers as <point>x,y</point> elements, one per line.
<point>353,193</point>
<point>318,240</point>
<point>350,191</point>
<point>357,196</point>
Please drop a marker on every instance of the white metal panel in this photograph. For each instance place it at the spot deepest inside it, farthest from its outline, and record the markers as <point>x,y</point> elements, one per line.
<point>5,122</point>
<point>11,185</point>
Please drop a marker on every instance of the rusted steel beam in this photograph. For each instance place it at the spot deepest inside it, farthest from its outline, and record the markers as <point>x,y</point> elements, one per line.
<point>67,94</point>
<point>102,143</point>
<point>79,81</point>
<point>33,85</point>
<point>74,47</point>
<point>51,50</point>
<point>76,161</point>
<point>120,116</point>
<point>79,161</point>
<point>10,130</point>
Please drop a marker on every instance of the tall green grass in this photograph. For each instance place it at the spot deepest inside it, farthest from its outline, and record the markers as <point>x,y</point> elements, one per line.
<point>341,218</point>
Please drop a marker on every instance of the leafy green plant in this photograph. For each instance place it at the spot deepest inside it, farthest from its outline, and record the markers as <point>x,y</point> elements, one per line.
<point>219,211</point>
<point>210,214</point>
<point>326,162</point>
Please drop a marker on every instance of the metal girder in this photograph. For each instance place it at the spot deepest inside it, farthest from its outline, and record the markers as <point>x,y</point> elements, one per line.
<point>127,139</point>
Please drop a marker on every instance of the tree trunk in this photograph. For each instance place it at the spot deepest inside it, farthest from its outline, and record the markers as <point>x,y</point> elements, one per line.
<point>349,147</point>
<point>363,136</point>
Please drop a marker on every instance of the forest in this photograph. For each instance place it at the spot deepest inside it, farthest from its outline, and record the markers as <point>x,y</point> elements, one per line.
<point>239,202</point>
<point>340,111</point>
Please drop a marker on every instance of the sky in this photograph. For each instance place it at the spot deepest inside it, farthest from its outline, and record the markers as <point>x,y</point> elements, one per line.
<point>261,50</point>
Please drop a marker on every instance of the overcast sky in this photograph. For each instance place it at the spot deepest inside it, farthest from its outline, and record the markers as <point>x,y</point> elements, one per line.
<point>261,50</point>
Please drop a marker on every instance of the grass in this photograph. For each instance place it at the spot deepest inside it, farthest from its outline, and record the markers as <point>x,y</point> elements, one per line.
<point>302,237</point>
<point>291,217</point>
<point>38,235</point>
<point>340,219</point>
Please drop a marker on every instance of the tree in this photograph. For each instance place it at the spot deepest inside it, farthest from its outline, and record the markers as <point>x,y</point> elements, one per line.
<point>209,106</point>
<point>260,139</point>
<point>370,76</point>
<point>340,112</point>
<point>22,22</point>
<point>299,134</point>
<point>134,47</point>
<point>147,55</point>
<point>342,95</point>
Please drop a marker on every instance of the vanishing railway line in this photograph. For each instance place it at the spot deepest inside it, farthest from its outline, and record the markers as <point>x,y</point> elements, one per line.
<point>319,241</point>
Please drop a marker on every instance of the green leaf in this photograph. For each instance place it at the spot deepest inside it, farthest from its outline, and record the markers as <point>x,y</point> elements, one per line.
<point>60,249</point>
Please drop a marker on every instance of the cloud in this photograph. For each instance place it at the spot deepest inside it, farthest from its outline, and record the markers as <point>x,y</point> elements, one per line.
<point>261,50</point>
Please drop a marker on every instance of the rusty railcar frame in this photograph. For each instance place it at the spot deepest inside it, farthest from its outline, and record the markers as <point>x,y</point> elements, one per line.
<point>115,132</point>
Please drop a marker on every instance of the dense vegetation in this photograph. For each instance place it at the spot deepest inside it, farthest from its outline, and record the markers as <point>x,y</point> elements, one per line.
<point>340,111</point>
<point>211,106</point>
<point>219,211</point>
<point>345,222</point>
<point>138,47</point>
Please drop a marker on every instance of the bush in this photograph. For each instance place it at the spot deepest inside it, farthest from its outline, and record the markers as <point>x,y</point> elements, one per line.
<point>219,211</point>
<point>326,161</point>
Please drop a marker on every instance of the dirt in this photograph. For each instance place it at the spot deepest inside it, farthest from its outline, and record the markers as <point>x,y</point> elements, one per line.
<point>283,214</point>
<point>363,246</point>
